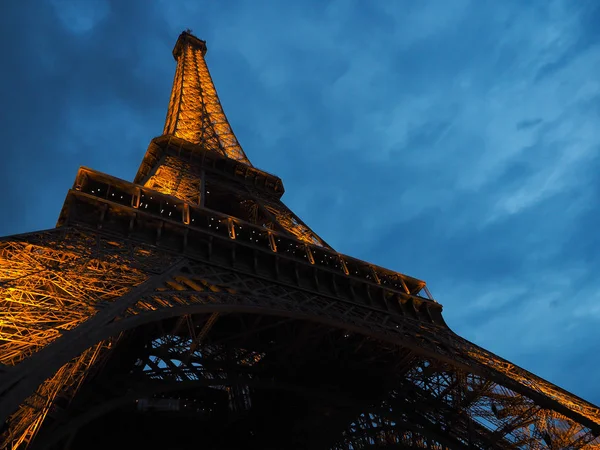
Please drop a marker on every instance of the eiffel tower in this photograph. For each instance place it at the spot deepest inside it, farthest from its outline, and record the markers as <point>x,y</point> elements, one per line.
<point>192,309</point>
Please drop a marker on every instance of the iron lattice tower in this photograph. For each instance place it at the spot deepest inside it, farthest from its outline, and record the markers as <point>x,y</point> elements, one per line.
<point>192,306</point>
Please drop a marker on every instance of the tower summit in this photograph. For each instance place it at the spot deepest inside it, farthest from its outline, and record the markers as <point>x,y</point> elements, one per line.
<point>191,305</point>
<point>195,113</point>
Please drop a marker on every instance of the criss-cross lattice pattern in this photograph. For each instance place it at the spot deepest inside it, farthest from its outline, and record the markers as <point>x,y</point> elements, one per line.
<point>177,178</point>
<point>26,421</point>
<point>457,394</point>
<point>50,282</point>
<point>49,285</point>
<point>472,412</point>
<point>291,223</point>
<point>426,402</point>
<point>195,112</point>
<point>183,180</point>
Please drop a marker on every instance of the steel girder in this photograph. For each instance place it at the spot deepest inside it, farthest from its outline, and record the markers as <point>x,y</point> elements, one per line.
<point>452,383</point>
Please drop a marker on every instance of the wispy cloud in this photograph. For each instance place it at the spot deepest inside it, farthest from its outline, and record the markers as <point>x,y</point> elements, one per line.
<point>80,17</point>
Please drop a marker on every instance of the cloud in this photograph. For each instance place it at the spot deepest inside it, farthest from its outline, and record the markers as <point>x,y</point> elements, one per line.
<point>78,17</point>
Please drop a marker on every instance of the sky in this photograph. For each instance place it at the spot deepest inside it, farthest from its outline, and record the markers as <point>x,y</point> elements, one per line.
<point>456,141</point>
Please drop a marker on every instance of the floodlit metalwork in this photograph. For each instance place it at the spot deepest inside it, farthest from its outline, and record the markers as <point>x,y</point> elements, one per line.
<point>51,286</point>
<point>192,304</point>
<point>25,422</point>
<point>195,113</point>
<point>175,177</point>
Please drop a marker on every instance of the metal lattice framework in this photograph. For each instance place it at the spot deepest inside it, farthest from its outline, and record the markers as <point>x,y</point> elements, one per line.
<point>195,113</point>
<point>454,398</point>
<point>175,177</point>
<point>50,284</point>
<point>194,299</point>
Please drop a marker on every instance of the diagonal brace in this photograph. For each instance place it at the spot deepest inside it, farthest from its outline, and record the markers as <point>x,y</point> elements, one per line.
<point>22,380</point>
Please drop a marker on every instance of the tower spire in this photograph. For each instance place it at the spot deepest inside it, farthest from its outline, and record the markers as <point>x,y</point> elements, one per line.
<point>195,113</point>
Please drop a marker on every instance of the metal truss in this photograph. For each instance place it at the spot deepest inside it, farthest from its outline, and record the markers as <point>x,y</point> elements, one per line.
<point>131,211</point>
<point>177,178</point>
<point>188,182</point>
<point>50,283</point>
<point>195,115</point>
<point>440,390</point>
<point>195,112</point>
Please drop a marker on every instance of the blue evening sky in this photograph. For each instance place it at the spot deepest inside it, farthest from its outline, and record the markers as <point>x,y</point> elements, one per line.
<point>456,141</point>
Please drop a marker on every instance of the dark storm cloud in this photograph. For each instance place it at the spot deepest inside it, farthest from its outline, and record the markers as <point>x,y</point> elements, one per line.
<point>454,141</point>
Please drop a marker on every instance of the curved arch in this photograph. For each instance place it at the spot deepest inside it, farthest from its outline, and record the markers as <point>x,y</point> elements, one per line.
<point>389,332</point>
<point>86,335</point>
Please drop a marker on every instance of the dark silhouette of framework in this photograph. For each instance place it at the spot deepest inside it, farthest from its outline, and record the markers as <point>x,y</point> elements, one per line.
<point>191,308</point>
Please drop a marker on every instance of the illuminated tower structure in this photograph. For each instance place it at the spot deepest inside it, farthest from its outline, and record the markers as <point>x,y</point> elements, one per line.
<point>191,308</point>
